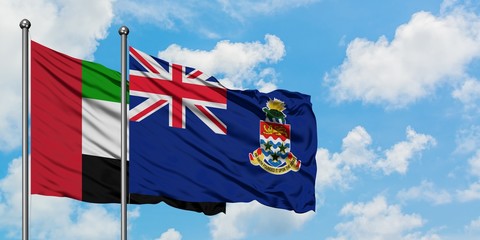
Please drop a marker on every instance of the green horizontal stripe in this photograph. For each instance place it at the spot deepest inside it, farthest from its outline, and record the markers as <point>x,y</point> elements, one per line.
<point>100,82</point>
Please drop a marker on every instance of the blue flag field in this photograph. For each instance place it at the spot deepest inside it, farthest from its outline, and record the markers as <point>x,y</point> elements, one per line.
<point>192,139</point>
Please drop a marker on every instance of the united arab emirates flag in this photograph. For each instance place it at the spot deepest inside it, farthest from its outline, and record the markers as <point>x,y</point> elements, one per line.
<point>75,132</point>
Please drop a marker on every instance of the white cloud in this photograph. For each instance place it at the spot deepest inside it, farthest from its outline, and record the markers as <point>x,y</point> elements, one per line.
<point>377,220</point>
<point>11,196</point>
<point>468,140</point>
<point>398,157</point>
<point>333,171</point>
<point>73,27</point>
<point>474,163</point>
<point>72,221</point>
<point>413,65</point>
<point>170,234</point>
<point>357,152</point>
<point>336,168</point>
<point>268,79</point>
<point>468,94</point>
<point>420,236</point>
<point>448,5</point>
<point>470,194</point>
<point>52,217</point>
<point>242,9</point>
<point>244,219</point>
<point>471,231</point>
<point>238,63</point>
<point>425,191</point>
<point>134,213</point>
<point>473,226</point>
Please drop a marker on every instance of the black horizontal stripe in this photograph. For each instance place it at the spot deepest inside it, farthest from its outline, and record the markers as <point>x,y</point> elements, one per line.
<point>101,184</point>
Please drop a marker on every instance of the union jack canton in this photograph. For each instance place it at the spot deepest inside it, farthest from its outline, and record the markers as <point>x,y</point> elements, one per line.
<point>179,87</point>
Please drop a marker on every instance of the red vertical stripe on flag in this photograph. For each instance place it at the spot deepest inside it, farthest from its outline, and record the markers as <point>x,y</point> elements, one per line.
<point>177,101</point>
<point>56,123</point>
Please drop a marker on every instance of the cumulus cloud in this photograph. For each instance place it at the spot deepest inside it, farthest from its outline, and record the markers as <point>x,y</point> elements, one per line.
<point>244,69</point>
<point>249,219</point>
<point>73,27</point>
<point>413,64</point>
<point>357,152</point>
<point>398,157</point>
<point>378,220</point>
<point>334,172</point>
<point>52,217</point>
<point>170,234</point>
<point>425,191</point>
<point>337,167</point>
<point>355,148</point>
<point>469,94</point>
<point>472,193</point>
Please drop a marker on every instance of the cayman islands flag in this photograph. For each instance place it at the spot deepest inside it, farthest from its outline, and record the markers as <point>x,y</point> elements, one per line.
<point>193,139</point>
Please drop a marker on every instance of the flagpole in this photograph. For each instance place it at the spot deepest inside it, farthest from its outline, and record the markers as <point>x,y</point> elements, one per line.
<point>123,31</point>
<point>25,26</point>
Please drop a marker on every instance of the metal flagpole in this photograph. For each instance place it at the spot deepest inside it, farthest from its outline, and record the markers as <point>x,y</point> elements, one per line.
<point>123,31</point>
<point>25,26</point>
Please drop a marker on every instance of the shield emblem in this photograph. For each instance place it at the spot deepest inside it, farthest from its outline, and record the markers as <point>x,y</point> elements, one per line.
<point>274,154</point>
<point>275,143</point>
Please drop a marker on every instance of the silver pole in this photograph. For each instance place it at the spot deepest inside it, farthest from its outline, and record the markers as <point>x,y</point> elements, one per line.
<point>25,26</point>
<point>123,31</point>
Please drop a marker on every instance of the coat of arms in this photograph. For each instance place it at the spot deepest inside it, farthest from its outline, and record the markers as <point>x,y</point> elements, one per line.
<point>274,154</point>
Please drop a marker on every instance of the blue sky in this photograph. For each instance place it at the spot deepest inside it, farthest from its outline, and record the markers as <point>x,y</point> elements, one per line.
<point>395,89</point>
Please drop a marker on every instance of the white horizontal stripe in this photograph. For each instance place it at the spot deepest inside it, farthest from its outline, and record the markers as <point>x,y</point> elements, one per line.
<point>150,75</point>
<point>101,128</point>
